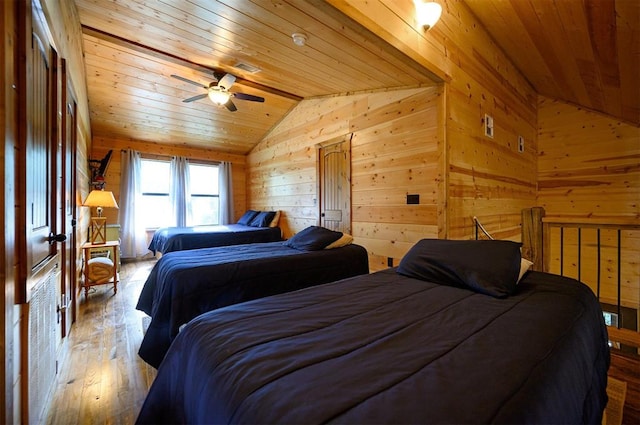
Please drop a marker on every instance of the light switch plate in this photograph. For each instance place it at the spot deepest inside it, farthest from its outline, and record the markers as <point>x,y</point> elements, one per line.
<point>488,125</point>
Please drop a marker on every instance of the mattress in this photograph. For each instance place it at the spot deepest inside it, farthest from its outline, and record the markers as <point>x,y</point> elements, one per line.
<point>184,284</point>
<point>388,348</point>
<point>170,239</point>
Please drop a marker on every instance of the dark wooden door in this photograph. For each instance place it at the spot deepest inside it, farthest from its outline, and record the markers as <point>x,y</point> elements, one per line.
<point>68,205</point>
<point>37,202</point>
<point>40,153</point>
<point>334,158</point>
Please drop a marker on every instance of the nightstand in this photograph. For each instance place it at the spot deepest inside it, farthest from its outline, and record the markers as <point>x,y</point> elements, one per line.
<point>102,272</point>
<point>113,234</point>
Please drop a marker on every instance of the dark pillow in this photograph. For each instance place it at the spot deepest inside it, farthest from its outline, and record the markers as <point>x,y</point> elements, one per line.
<point>262,219</point>
<point>247,217</point>
<point>313,238</point>
<point>488,267</point>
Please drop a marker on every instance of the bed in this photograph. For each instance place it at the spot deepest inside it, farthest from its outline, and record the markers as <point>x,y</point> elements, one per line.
<point>253,227</point>
<point>457,333</point>
<point>184,284</point>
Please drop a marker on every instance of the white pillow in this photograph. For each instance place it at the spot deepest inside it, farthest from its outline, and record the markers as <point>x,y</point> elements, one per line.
<point>275,220</point>
<point>525,265</point>
<point>100,269</point>
<point>345,239</point>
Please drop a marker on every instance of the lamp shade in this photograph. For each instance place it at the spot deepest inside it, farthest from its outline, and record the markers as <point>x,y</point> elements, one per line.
<point>427,13</point>
<point>100,198</point>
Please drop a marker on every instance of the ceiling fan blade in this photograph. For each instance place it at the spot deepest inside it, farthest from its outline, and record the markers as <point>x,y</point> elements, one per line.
<point>250,97</point>
<point>227,81</point>
<point>230,106</point>
<point>197,97</point>
<point>218,75</point>
<point>186,80</point>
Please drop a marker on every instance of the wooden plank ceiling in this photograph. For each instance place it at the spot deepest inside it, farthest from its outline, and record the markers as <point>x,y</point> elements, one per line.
<point>581,51</point>
<point>585,52</point>
<point>133,47</point>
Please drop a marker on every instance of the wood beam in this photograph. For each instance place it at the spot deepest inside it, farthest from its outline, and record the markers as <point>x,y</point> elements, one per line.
<point>168,57</point>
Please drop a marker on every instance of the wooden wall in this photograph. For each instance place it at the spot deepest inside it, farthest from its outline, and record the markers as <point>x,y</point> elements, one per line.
<point>102,146</point>
<point>476,175</point>
<point>588,163</point>
<point>395,150</point>
<point>486,177</point>
<point>589,171</point>
<point>64,25</point>
<point>10,317</point>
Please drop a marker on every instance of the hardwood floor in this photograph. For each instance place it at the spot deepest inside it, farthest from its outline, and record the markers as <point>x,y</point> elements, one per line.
<point>102,380</point>
<point>627,368</point>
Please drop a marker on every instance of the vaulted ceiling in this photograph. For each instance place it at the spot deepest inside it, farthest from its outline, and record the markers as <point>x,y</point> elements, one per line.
<point>581,51</point>
<point>586,52</point>
<point>133,47</point>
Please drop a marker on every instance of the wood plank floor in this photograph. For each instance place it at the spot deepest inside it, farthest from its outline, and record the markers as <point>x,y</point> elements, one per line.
<point>626,367</point>
<point>102,380</point>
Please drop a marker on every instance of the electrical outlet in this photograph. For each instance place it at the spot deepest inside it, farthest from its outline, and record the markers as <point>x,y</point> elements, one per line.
<point>488,125</point>
<point>520,144</point>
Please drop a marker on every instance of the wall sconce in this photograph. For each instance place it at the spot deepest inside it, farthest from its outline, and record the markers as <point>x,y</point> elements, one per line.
<point>99,199</point>
<point>427,13</point>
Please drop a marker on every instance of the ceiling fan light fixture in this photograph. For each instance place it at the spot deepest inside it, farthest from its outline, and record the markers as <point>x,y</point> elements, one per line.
<point>299,39</point>
<point>427,13</point>
<point>218,96</point>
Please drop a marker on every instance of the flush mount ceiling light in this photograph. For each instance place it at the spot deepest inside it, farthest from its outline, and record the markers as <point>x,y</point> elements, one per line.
<point>427,13</point>
<point>299,39</point>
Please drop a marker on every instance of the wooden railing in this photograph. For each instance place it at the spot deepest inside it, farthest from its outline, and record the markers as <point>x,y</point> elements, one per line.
<point>600,253</point>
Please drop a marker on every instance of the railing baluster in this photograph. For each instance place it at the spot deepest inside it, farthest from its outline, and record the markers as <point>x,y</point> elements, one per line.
<point>619,274</point>
<point>598,248</point>
<point>562,251</point>
<point>579,250</point>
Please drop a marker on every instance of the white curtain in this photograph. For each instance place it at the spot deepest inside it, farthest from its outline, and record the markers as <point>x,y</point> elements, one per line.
<point>225,192</point>
<point>133,242</point>
<point>179,193</point>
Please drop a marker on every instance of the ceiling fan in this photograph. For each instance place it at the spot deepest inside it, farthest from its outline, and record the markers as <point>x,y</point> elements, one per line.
<point>218,91</point>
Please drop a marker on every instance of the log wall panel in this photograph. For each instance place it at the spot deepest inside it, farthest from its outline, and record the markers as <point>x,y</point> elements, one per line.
<point>584,159</point>
<point>395,150</point>
<point>485,177</point>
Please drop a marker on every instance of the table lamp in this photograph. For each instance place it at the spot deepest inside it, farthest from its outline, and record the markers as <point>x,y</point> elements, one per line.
<point>99,199</point>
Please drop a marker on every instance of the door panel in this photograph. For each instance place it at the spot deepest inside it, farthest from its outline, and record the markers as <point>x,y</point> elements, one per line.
<point>68,205</point>
<point>38,198</point>
<point>39,156</point>
<point>334,159</point>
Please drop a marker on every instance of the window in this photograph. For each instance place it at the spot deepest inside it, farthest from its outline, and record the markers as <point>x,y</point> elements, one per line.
<point>203,202</point>
<point>205,205</point>
<point>155,179</point>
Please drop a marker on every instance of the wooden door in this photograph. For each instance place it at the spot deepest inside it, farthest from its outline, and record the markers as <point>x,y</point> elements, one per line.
<point>334,165</point>
<point>40,152</point>
<point>37,204</point>
<point>68,207</point>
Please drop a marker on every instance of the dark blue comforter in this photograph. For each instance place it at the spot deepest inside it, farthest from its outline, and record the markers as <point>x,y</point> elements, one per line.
<point>184,284</point>
<point>385,348</point>
<point>170,239</point>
